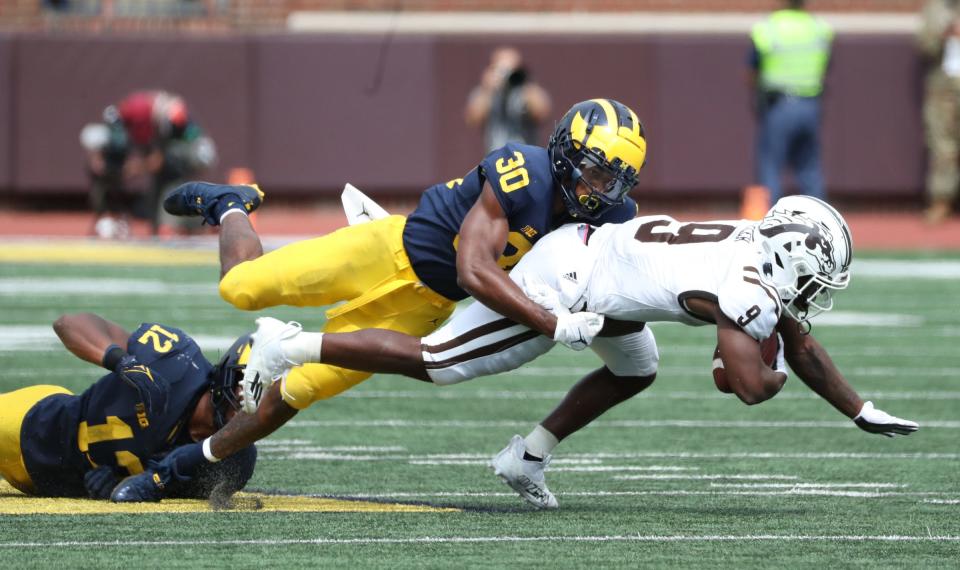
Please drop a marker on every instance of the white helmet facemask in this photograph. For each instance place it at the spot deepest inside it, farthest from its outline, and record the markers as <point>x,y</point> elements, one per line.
<point>808,249</point>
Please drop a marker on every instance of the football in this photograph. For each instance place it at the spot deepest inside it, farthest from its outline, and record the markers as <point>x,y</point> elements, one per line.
<point>768,353</point>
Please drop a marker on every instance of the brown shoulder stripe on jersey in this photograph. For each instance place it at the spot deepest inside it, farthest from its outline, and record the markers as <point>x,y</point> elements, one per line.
<point>483,350</point>
<point>770,291</point>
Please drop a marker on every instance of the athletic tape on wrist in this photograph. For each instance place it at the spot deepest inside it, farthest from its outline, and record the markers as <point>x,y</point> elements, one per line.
<point>208,453</point>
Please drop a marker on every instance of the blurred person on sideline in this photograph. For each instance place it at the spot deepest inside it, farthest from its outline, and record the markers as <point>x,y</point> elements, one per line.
<point>145,145</point>
<point>507,104</point>
<point>939,40</point>
<point>788,64</point>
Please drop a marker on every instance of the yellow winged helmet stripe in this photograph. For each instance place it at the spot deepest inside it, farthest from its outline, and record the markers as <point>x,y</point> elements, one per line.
<point>609,111</point>
<point>625,142</point>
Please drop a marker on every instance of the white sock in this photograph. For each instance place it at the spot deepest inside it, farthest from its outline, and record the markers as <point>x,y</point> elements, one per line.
<point>303,348</point>
<point>540,442</point>
<point>237,210</point>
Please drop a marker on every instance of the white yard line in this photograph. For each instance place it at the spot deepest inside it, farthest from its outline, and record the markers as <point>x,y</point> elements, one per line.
<point>667,493</point>
<point>732,477</point>
<point>475,424</point>
<point>658,455</point>
<point>808,485</point>
<point>59,286</point>
<point>609,468</point>
<point>485,539</point>
<point>41,338</point>
<point>466,394</point>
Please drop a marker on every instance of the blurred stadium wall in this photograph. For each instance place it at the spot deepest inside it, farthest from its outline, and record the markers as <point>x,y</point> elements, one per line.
<point>313,93</point>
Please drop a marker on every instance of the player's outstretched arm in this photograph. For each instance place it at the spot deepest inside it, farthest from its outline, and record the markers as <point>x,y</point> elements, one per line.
<point>88,336</point>
<point>184,462</point>
<point>810,361</point>
<point>483,236</point>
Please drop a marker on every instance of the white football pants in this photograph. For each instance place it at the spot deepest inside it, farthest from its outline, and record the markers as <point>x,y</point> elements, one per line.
<point>479,342</point>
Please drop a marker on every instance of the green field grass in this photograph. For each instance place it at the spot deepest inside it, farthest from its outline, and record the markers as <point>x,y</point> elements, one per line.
<point>680,476</point>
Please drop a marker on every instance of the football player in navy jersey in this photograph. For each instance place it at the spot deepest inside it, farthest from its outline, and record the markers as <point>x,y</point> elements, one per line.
<point>406,273</point>
<point>160,393</point>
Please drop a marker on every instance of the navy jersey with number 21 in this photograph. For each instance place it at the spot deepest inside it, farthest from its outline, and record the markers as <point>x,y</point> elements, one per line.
<point>65,436</point>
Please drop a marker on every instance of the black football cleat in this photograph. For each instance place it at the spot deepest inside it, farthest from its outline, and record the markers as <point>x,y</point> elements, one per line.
<point>210,201</point>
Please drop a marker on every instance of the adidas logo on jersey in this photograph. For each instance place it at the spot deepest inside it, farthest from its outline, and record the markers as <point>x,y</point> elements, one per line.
<point>572,276</point>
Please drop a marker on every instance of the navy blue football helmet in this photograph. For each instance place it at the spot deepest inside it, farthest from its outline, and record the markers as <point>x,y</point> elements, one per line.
<point>601,144</point>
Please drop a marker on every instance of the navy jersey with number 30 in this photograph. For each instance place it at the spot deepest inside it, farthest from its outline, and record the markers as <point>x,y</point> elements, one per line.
<point>523,183</point>
<point>64,436</point>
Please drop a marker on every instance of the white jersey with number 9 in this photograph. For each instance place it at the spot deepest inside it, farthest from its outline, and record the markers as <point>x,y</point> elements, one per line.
<point>646,269</point>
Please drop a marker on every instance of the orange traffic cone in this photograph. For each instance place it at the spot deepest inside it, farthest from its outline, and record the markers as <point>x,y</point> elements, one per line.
<point>756,202</point>
<point>241,175</point>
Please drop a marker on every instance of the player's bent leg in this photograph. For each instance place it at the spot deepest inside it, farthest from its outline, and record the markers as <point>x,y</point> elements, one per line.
<point>629,355</point>
<point>631,366</point>
<point>311,382</point>
<point>590,398</point>
<point>375,350</point>
<point>345,264</point>
<point>479,342</point>
<point>239,242</point>
<point>14,407</point>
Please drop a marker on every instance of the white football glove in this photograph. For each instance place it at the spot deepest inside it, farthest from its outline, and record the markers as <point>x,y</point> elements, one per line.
<point>577,330</point>
<point>872,420</point>
<point>542,294</point>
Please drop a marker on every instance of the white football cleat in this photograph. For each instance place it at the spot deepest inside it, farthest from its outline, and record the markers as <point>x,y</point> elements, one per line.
<point>525,477</point>
<point>266,363</point>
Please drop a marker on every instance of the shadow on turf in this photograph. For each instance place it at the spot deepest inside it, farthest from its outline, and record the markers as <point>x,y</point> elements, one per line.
<point>719,511</point>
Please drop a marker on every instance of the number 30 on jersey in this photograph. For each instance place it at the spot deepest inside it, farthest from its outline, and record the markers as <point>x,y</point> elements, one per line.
<point>513,176</point>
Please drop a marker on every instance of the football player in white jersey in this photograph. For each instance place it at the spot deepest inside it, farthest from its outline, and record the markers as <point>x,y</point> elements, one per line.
<point>749,279</point>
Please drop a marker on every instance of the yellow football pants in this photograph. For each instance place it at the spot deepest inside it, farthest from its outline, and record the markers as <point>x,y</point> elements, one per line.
<point>364,265</point>
<point>13,409</point>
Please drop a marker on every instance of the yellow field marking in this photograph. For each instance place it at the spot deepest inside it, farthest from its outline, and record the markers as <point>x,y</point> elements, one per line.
<point>106,253</point>
<point>13,502</point>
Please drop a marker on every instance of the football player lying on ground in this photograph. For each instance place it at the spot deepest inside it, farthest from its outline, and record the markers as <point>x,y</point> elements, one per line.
<point>406,274</point>
<point>160,393</point>
<point>749,279</point>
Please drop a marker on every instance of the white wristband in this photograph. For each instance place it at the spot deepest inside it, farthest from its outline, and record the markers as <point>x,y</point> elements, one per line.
<point>208,453</point>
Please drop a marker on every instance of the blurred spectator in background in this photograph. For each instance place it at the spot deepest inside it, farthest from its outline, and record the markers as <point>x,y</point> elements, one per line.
<point>146,145</point>
<point>507,104</point>
<point>788,63</point>
<point>939,40</point>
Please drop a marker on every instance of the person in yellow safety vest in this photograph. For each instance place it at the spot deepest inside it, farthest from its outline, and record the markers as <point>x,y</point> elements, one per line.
<point>788,63</point>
